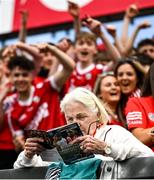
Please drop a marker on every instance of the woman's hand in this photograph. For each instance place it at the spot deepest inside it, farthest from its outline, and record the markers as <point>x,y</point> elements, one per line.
<point>33,146</point>
<point>19,142</point>
<point>90,144</point>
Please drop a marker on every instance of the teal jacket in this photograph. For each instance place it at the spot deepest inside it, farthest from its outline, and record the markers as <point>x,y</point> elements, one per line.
<point>85,169</point>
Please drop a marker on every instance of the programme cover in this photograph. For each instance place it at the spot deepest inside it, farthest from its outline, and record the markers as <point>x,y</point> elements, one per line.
<point>58,143</point>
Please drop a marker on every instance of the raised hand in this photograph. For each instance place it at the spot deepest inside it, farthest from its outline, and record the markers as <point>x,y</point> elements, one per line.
<point>93,25</point>
<point>132,11</point>
<point>73,9</point>
<point>64,45</point>
<point>19,142</point>
<point>144,25</point>
<point>24,16</point>
<point>43,47</point>
<point>111,30</point>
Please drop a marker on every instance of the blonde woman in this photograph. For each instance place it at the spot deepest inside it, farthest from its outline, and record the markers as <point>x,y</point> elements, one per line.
<point>107,89</point>
<point>107,141</point>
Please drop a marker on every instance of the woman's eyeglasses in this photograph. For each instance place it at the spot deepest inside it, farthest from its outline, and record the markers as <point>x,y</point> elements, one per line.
<point>91,125</point>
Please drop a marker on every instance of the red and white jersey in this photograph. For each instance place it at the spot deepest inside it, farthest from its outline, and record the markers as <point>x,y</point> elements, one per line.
<point>136,93</point>
<point>140,112</point>
<point>114,120</point>
<point>40,111</point>
<point>84,77</point>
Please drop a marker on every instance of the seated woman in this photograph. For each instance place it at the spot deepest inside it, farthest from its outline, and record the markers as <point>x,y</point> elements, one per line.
<point>140,112</point>
<point>108,90</point>
<point>83,107</point>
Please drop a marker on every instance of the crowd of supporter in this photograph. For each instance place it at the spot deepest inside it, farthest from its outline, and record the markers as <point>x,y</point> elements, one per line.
<point>35,77</point>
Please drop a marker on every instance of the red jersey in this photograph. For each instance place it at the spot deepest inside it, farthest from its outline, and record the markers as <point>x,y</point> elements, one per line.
<point>40,111</point>
<point>140,112</point>
<point>84,77</point>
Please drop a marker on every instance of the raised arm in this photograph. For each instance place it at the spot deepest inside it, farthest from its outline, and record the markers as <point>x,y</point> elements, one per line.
<point>113,32</point>
<point>23,30</point>
<point>130,13</point>
<point>141,67</point>
<point>95,27</point>
<point>60,76</point>
<point>125,50</point>
<point>34,52</point>
<point>74,11</point>
<point>131,39</point>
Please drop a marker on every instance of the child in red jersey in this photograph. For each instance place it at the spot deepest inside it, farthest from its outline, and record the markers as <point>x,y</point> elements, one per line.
<point>33,107</point>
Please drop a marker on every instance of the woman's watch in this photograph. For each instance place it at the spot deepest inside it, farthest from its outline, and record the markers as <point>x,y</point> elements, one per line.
<point>107,149</point>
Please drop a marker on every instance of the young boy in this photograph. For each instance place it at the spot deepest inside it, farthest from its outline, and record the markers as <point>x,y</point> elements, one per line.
<point>86,70</point>
<point>146,46</point>
<point>31,107</point>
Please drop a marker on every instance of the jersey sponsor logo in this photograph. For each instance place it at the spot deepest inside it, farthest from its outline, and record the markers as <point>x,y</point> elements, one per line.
<point>134,118</point>
<point>132,122</point>
<point>151,116</point>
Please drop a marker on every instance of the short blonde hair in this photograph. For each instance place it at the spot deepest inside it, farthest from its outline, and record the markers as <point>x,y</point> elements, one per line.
<point>88,99</point>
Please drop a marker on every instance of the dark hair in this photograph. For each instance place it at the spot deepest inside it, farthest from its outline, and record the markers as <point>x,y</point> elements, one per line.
<point>142,58</point>
<point>124,98</point>
<point>148,85</point>
<point>22,62</point>
<point>139,74</point>
<point>145,42</point>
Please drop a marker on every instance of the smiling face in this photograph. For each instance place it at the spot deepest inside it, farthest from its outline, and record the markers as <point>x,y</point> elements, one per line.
<point>85,50</point>
<point>21,80</point>
<point>127,78</point>
<point>79,113</point>
<point>110,90</point>
<point>48,60</point>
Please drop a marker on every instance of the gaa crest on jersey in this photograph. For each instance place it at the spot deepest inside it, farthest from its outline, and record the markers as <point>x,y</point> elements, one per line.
<point>36,99</point>
<point>151,116</point>
<point>39,85</point>
<point>88,76</point>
